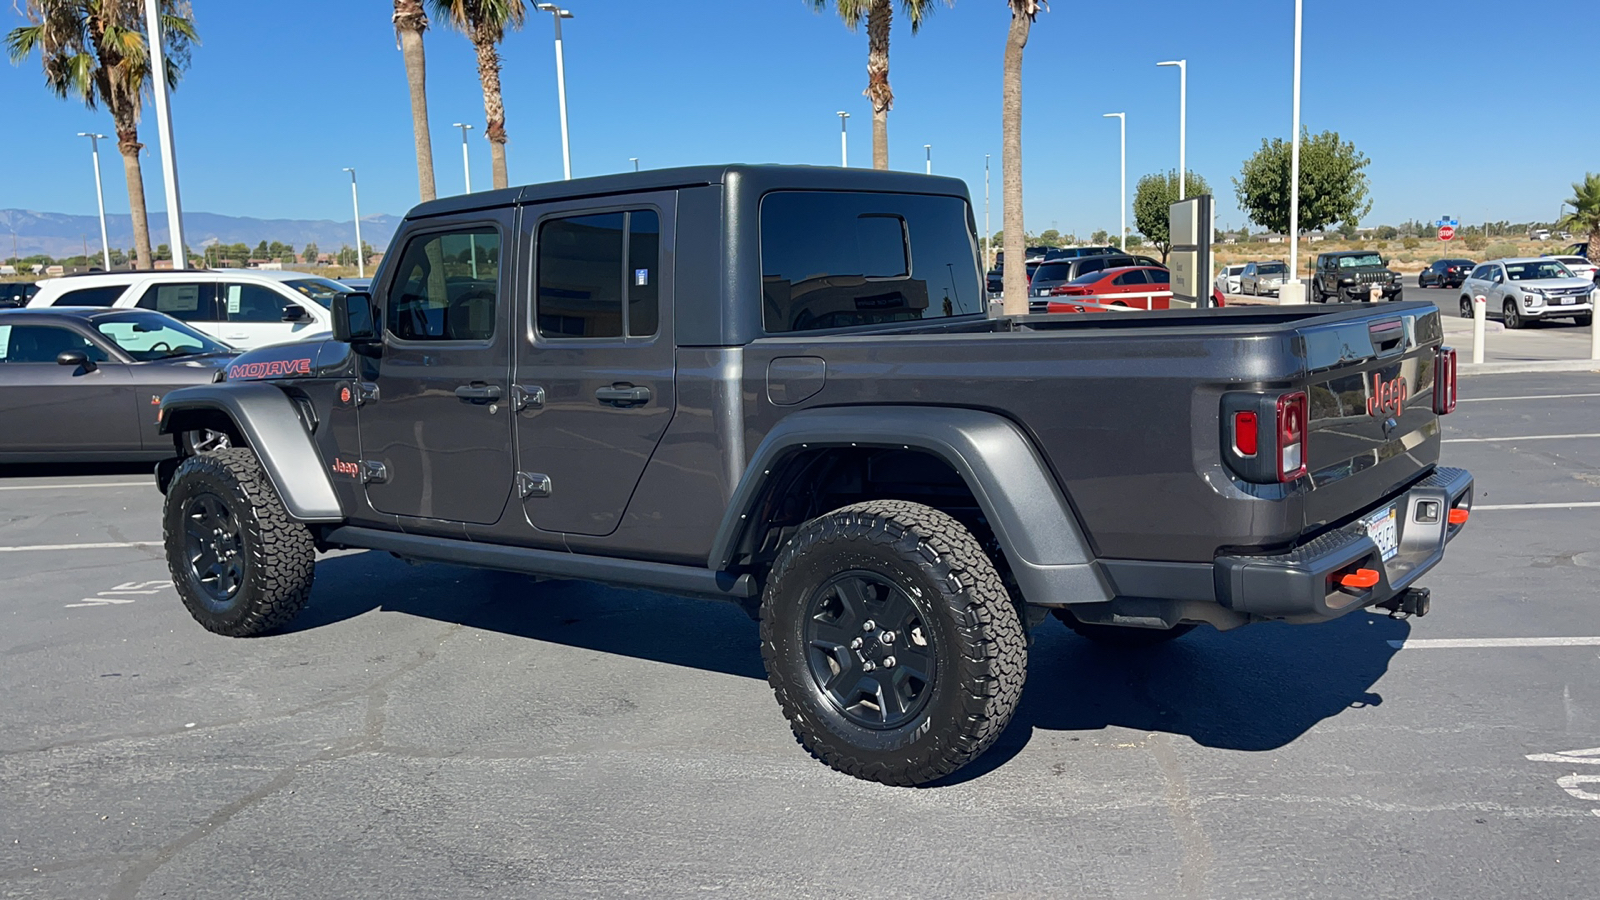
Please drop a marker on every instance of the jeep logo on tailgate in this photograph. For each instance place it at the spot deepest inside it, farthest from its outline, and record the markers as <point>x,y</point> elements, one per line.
<point>1388,397</point>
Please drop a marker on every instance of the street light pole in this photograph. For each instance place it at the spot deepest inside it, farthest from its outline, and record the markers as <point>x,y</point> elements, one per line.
<point>987,234</point>
<point>1183,123</point>
<point>844,140</point>
<point>99,196</point>
<point>169,161</point>
<point>561,85</point>
<point>929,148</point>
<point>466,162</point>
<point>635,161</point>
<point>1294,171</point>
<point>355,203</point>
<point>1122,119</point>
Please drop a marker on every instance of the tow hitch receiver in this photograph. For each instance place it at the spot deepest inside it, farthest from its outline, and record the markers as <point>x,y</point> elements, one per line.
<point>1409,602</point>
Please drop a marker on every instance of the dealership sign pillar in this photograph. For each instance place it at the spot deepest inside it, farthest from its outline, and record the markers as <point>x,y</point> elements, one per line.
<point>1190,258</point>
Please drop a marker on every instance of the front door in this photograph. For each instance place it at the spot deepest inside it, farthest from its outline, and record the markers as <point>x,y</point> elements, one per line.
<point>50,407</point>
<point>598,376</point>
<point>435,421</point>
<point>253,316</point>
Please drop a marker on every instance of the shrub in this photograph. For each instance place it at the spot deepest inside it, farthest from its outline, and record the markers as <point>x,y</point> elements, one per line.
<point>1500,250</point>
<point>1411,243</point>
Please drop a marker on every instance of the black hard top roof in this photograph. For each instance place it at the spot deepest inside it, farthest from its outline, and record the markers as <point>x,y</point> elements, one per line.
<point>1349,252</point>
<point>759,177</point>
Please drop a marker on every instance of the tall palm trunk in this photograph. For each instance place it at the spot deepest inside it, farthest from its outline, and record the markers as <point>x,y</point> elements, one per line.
<point>128,144</point>
<point>879,19</point>
<point>494,108</point>
<point>409,23</point>
<point>1016,271</point>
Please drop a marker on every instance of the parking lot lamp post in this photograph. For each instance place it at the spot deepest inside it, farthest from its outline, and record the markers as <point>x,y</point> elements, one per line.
<point>561,85</point>
<point>466,162</point>
<point>1122,119</point>
<point>355,203</point>
<point>1183,123</point>
<point>844,140</point>
<point>1294,169</point>
<point>987,234</point>
<point>99,196</point>
<point>635,161</point>
<point>929,148</point>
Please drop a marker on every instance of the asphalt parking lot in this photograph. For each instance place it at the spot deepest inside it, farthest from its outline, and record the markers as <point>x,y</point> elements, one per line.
<point>443,732</point>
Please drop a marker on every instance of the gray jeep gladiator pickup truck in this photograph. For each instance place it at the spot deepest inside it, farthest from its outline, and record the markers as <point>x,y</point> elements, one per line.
<point>779,386</point>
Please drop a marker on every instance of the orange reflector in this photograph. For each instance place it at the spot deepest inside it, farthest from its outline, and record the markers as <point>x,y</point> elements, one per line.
<point>1459,516</point>
<point>1360,578</point>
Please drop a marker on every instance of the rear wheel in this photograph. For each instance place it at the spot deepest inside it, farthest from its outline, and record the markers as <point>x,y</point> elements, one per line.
<point>1121,635</point>
<point>891,642</point>
<point>1512,316</point>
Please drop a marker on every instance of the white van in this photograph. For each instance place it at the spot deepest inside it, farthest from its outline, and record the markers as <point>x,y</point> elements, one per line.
<point>244,308</point>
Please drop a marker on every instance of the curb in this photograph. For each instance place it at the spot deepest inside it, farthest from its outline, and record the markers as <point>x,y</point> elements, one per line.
<point>1538,365</point>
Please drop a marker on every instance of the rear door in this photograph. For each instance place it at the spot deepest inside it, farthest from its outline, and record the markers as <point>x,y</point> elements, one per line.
<point>594,376</point>
<point>436,429</point>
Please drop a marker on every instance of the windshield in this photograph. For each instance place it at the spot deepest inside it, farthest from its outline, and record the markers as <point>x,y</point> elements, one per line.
<point>1368,260</point>
<point>1533,271</point>
<point>1271,269</point>
<point>1053,272</point>
<point>149,336</point>
<point>320,290</point>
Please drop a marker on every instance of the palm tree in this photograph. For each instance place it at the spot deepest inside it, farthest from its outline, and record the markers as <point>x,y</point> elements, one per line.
<point>1016,241</point>
<point>96,50</point>
<point>879,15</point>
<point>1585,215</point>
<point>484,22</point>
<point>410,21</point>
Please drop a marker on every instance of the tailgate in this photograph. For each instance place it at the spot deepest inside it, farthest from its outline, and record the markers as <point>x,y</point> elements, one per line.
<point>1371,428</point>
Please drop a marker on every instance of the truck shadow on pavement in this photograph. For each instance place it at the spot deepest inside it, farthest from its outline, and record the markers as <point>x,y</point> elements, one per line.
<point>1253,689</point>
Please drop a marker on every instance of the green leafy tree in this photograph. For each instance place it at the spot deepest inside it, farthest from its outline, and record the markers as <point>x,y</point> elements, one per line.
<point>1023,12</point>
<point>163,252</point>
<point>311,253</point>
<point>96,51</point>
<point>1049,238</point>
<point>262,251</point>
<point>1099,237</point>
<point>1347,230</point>
<point>1386,233</point>
<point>1152,205</point>
<point>1333,183</point>
<point>879,15</point>
<point>1585,216</point>
<point>484,22</point>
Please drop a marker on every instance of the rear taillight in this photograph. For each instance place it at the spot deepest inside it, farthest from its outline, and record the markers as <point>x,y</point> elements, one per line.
<point>1246,434</point>
<point>1444,381</point>
<point>1291,436</point>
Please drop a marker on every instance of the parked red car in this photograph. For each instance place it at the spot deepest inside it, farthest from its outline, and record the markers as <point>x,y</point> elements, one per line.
<point>1137,283</point>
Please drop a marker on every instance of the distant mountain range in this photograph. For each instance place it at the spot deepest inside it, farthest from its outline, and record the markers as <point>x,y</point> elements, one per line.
<point>61,235</point>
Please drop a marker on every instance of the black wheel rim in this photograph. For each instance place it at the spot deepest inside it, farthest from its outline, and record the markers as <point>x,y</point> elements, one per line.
<point>869,648</point>
<point>214,549</point>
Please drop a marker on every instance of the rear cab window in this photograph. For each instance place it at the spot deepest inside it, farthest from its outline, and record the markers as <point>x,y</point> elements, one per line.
<point>848,259</point>
<point>104,296</point>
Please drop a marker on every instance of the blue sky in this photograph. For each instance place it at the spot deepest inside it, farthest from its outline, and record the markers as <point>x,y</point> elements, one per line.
<point>282,96</point>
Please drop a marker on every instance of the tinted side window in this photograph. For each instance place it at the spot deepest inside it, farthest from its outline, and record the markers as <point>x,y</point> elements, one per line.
<point>1127,278</point>
<point>599,275</point>
<point>42,343</point>
<point>252,303</point>
<point>91,296</point>
<point>185,302</point>
<point>841,259</point>
<point>446,287</point>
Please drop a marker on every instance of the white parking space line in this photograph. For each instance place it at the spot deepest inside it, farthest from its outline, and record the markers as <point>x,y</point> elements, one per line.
<point>1494,506</point>
<point>70,487</point>
<point>1524,437</point>
<point>1525,397</point>
<point>47,547</point>
<point>1470,643</point>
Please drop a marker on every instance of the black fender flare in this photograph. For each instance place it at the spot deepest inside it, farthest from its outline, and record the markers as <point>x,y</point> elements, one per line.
<point>1035,526</point>
<point>267,419</point>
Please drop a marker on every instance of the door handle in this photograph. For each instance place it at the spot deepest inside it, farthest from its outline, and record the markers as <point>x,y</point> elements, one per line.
<point>479,393</point>
<point>623,396</point>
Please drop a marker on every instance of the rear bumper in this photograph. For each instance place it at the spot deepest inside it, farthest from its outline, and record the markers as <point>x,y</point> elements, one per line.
<point>1304,585</point>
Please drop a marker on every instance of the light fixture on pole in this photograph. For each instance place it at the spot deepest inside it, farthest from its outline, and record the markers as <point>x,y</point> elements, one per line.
<point>635,161</point>
<point>561,85</point>
<point>169,161</point>
<point>929,148</point>
<point>1122,119</point>
<point>844,140</point>
<point>466,163</point>
<point>1296,292</point>
<point>99,196</point>
<point>355,203</point>
<point>1183,123</point>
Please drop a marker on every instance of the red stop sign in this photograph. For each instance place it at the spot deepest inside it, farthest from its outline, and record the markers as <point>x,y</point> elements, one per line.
<point>1446,232</point>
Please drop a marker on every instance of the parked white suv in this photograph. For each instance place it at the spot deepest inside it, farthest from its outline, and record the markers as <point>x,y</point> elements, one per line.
<point>1524,290</point>
<point>244,308</point>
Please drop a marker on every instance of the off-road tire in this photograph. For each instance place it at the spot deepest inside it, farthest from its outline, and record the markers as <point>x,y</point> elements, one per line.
<point>277,553</point>
<point>1121,635</point>
<point>971,628</point>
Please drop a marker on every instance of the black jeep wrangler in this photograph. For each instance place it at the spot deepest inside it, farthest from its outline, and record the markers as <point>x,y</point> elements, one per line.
<point>1354,276</point>
<point>779,386</point>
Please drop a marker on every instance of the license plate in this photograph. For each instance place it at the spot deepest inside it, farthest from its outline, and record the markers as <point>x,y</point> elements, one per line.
<point>1384,532</point>
<point>1568,301</point>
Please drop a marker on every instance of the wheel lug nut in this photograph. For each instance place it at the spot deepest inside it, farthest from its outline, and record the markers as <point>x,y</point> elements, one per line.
<point>888,662</point>
<point>869,666</point>
<point>887,637</point>
<point>868,625</point>
<point>855,644</point>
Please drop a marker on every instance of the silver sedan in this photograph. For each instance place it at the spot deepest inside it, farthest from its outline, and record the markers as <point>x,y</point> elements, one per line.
<point>1263,278</point>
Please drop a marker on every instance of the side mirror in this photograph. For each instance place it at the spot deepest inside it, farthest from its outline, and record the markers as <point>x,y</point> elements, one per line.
<point>294,312</point>
<point>354,321</point>
<point>77,359</point>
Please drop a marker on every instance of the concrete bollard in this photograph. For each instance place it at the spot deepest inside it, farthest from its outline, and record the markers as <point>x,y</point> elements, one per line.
<point>1480,317</point>
<point>1594,327</point>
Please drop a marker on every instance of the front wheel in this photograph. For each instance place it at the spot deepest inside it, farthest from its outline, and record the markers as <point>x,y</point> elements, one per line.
<point>239,563</point>
<point>1585,320</point>
<point>1466,307</point>
<point>1511,315</point>
<point>891,642</point>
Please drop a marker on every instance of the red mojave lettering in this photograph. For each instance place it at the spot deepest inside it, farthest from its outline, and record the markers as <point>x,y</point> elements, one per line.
<point>271,368</point>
